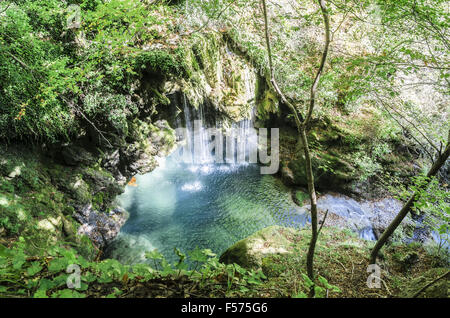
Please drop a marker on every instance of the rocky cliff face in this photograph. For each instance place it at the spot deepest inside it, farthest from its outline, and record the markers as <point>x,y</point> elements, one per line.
<point>221,82</point>
<point>350,158</point>
<point>92,169</point>
<point>77,182</point>
<point>64,191</point>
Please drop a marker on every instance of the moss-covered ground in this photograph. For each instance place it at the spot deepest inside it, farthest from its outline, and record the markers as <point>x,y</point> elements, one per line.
<point>341,264</point>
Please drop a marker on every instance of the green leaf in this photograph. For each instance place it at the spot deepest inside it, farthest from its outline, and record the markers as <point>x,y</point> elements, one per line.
<point>309,283</point>
<point>154,255</point>
<point>41,293</point>
<point>18,260</point>
<point>198,255</point>
<point>34,269</point>
<point>180,255</point>
<point>323,281</point>
<point>58,264</point>
<point>4,251</point>
<point>68,293</point>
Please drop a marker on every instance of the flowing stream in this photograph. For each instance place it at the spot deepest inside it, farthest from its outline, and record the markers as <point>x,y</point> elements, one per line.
<point>200,203</point>
<point>187,203</point>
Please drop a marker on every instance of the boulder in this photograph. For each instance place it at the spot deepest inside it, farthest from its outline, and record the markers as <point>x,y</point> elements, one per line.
<point>49,224</point>
<point>100,227</point>
<point>249,252</point>
<point>332,172</point>
<point>15,172</point>
<point>75,155</point>
<point>78,189</point>
<point>343,212</point>
<point>382,212</point>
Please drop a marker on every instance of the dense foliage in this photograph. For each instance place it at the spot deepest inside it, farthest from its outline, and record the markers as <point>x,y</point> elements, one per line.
<point>75,68</point>
<point>56,73</point>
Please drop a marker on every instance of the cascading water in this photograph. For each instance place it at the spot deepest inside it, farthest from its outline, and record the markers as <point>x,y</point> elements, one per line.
<point>196,139</point>
<point>192,201</point>
<point>239,139</point>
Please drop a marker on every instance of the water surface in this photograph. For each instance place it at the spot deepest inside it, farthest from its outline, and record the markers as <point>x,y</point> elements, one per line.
<point>207,206</point>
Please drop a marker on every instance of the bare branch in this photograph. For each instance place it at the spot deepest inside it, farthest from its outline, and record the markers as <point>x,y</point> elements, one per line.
<point>323,222</point>
<point>272,76</point>
<point>386,106</point>
<point>7,7</point>
<point>209,18</point>
<point>322,61</point>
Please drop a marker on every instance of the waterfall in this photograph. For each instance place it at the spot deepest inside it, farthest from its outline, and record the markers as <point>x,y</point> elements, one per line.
<point>246,141</point>
<point>196,135</point>
<point>187,150</point>
<point>205,143</point>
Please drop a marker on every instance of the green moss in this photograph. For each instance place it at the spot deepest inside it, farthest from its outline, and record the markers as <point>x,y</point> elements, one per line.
<point>139,130</point>
<point>102,187</point>
<point>273,266</point>
<point>161,98</point>
<point>250,251</point>
<point>206,53</point>
<point>437,290</point>
<point>237,254</point>
<point>267,104</point>
<point>219,75</point>
<point>97,201</point>
<point>37,203</point>
<point>159,62</point>
<point>6,186</point>
<point>13,215</point>
<point>301,197</point>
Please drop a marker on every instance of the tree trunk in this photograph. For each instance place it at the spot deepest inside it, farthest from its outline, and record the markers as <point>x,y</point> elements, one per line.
<point>407,207</point>
<point>302,126</point>
<point>313,199</point>
<point>308,167</point>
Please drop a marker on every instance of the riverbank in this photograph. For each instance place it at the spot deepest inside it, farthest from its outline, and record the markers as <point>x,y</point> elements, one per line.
<point>88,108</point>
<point>341,262</point>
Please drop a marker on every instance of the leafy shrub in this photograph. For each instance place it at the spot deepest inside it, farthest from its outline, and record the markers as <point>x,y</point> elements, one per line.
<point>108,108</point>
<point>368,166</point>
<point>158,62</point>
<point>47,275</point>
<point>49,73</point>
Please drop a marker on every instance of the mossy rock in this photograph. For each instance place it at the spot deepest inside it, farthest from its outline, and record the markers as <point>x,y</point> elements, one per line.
<point>250,252</point>
<point>79,190</point>
<point>331,172</point>
<point>330,136</point>
<point>75,155</point>
<point>298,169</point>
<point>407,260</point>
<point>273,265</point>
<point>103,186</point>
<point>268,104</point>
<point>301,197</point>
<point>439,289</point>
<point>287,176</point>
